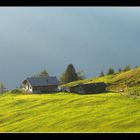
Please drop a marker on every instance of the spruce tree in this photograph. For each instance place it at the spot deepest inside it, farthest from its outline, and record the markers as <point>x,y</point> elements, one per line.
<point>70,75</point>
<point>101,74</point>
<point>110,71</point>
<point>127,68</point>
<point>42,74</point>
<point>120,69</point>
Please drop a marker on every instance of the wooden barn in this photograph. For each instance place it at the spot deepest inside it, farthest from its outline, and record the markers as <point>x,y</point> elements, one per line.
<point>88,88</point>
<point>40,84</point>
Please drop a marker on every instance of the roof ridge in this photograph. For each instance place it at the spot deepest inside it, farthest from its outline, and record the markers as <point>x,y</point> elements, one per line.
<point>52,80</point>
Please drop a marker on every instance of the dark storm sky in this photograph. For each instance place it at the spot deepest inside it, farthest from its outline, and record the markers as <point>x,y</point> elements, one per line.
<point>91,38</point>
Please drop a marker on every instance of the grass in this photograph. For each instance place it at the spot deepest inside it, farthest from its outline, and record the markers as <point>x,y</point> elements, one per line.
<point>105,79</point>
<point>64,112</point>
<point>123,80</point>
<point>69,112</point>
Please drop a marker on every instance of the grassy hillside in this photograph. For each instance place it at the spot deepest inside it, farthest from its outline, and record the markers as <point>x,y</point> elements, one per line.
<point>129,81</point>
<point>64,112</point>
<point>68,112</point>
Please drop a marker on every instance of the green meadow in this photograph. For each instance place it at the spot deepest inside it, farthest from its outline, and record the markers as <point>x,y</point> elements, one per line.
<point>68,112</point>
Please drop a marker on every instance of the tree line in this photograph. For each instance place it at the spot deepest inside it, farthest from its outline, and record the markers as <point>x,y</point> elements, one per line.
<point>70,74</point>
<point>112,71</point>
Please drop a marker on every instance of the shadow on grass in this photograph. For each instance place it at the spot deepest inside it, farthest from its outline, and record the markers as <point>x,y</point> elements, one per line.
<point>89,93</point>
<point>42,93</point>
<point>66,92</point>
<point>112,91</point>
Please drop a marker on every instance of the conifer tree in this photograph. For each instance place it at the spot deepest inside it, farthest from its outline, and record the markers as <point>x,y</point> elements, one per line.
<point>101,74</point>
<point>120,69</point>
<point>70,75</point>
<point>42,73</point>
<point>127,68</point>
<point>110,71</point>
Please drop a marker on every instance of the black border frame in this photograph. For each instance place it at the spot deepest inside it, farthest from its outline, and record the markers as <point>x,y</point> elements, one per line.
<point>69,3</point>
<point>71,136</point>
<point>102,136</point>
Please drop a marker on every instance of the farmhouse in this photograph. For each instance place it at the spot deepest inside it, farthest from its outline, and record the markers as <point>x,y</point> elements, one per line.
<point>40,84</point>
<point>88,88</point>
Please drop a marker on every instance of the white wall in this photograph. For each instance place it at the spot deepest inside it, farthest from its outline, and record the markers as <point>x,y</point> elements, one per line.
<point>28,87</point>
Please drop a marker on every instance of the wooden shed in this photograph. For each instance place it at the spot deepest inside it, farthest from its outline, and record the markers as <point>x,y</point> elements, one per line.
<point>88,88</point>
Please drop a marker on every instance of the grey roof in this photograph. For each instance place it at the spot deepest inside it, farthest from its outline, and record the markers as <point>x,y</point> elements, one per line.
<point>43,81</point>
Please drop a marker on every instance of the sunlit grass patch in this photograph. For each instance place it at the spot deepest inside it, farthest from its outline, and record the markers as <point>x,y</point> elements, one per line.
<point>65,112</point>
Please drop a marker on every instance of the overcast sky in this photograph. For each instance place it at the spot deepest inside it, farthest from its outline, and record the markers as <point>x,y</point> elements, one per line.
<point>91,38</point>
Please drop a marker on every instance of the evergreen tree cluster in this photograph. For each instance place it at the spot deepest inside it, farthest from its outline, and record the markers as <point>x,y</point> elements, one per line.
<point>42,74</point>
<point>112,71</point>
<point>67,76</point>
<point>70,75</point>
